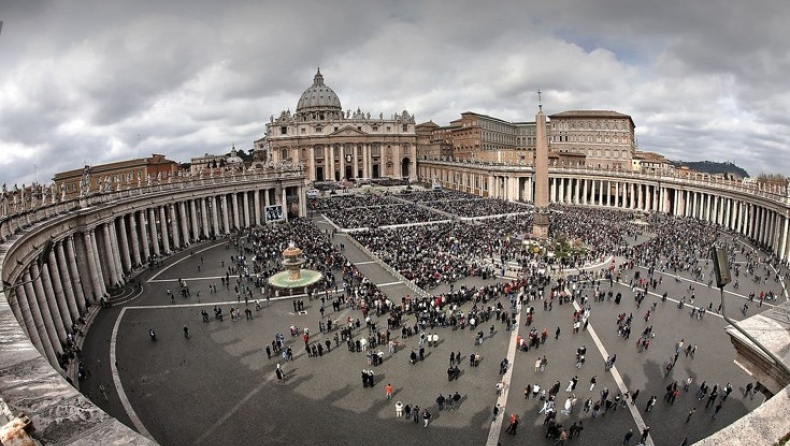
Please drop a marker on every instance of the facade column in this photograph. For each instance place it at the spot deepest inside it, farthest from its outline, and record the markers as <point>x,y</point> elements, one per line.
<point>311,173</point>
<point>355,160</point>
<point>41,323</point>
<point>327,170</point>
<point>75,263</point>
<point>59,295</point>
<point>125,255</point>
<point>366,160</point>
<point>68,283</point>
<point>342,169</point>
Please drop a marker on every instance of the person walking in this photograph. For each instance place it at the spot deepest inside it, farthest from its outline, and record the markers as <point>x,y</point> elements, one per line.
<point>691,412</point>
<point>399,409</point>
<point>426,417</point>
<point>650,403</point>
<point>645,433</point>
<point>593,381</point>
<point>511,428</point>
<point>634,394</point>
<point>388,391</point>
<point>627,437</point>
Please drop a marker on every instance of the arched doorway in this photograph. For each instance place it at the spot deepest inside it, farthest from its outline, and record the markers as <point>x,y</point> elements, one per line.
<point>405,168</point>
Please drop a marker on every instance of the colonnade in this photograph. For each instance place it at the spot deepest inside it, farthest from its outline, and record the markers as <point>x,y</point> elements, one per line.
<point>764,218</point>
<point>52,294</point>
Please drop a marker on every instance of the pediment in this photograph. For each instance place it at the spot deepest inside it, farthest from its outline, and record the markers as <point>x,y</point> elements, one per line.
<point>348,131</point>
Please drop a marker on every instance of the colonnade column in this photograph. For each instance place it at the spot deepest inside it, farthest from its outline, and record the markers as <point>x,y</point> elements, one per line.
<point>144,239</point>
<point>204,217</point>
<point>154,232</point>
<point>285,203</point>
<point>245,200</point>
<point>236,215</point>
<point>256,196</point>
<point>225,216</point>
<point>52,324</point>
<point>53,276</point>
<point>93,267</point>
<point>186,219</point>
<point>163,228</point>
<point>42,329</point>
<point>73,265</point>
<point>109,255</point>
<point>125,255</point>
<point>215,214</point>
<point>68,283</point>
<point>174,231</point>
<point>115,253</point>
<point>194,219</point>
<point>26,318</point>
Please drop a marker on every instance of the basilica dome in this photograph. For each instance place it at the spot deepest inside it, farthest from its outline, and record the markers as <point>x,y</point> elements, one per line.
<point>319,102</point>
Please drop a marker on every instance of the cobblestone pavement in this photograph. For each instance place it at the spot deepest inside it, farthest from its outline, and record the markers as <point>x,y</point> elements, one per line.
<point>218,387</point>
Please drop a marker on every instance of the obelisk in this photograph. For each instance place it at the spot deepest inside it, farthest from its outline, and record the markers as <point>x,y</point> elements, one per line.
<point>540,223</point>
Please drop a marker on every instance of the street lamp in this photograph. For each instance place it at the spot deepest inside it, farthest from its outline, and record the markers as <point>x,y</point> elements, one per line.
<point>721,269</point>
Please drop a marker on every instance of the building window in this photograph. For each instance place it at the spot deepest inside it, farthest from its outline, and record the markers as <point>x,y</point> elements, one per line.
<point>303,130</point>
<point>389,129</point>
<point>405,127</point>
<point>283,130</point>
<point>319,129</point>
<point>335,128</point>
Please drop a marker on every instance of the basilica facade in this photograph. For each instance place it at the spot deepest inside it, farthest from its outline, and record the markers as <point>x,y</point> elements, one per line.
<point>337,145</point>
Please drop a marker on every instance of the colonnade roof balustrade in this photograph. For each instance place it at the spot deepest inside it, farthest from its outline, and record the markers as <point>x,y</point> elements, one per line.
<point>14,216</point>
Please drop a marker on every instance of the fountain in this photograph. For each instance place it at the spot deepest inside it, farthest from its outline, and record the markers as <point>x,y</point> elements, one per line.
<point>294,278</point>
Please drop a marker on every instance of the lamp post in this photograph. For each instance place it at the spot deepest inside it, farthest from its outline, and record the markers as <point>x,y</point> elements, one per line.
<point>721,269</point>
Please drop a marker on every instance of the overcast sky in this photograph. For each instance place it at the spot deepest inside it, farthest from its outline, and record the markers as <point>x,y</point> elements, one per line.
<point>100,80</point>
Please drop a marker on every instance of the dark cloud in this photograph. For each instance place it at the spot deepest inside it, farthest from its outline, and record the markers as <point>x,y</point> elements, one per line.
<point>81,79</point>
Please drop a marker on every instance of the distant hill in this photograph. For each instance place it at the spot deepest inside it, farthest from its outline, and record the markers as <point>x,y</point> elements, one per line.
<point>712,167</point>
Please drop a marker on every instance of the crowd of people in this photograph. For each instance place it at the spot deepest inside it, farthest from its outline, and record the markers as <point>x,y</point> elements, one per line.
<point>437,254</point>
